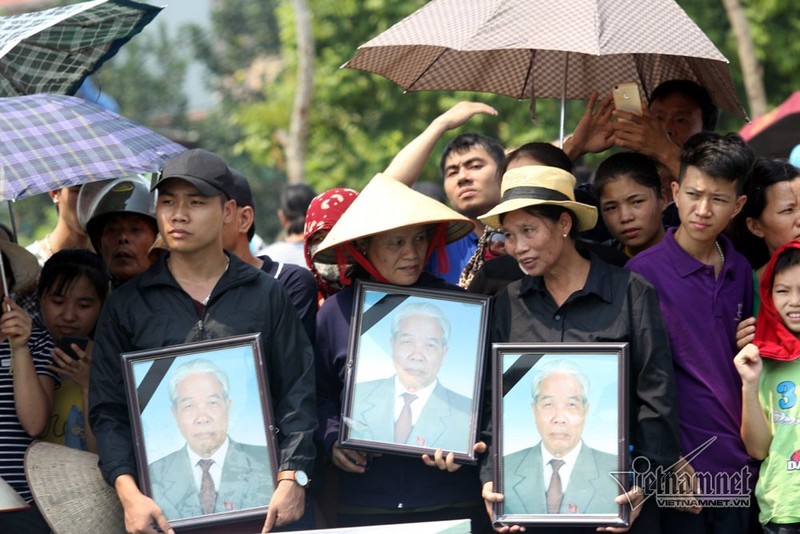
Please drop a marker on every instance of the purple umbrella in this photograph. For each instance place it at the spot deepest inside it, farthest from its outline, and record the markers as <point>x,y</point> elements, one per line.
<point>52,141</point>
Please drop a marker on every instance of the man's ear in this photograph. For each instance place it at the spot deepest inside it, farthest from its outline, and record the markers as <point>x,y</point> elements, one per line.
<point>246,218</point>
<point>229,211</point>
<point>676,187</point>
<point>739,205</point>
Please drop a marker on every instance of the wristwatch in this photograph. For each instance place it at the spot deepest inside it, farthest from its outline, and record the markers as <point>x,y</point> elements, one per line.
<point>300,477</point>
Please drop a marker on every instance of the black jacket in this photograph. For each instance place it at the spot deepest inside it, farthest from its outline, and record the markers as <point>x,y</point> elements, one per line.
<point>153,311</point>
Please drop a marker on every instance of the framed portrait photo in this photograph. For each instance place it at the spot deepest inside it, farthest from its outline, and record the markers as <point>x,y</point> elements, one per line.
<point>203,429</point>
<point>560,433</point>
<point>414,371</point>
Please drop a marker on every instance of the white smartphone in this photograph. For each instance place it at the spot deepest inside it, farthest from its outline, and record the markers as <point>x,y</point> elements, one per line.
<point>627,97</point>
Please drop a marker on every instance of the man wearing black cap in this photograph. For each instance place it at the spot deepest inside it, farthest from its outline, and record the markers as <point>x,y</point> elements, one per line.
<point>198,292</point>
<point>298,281</point>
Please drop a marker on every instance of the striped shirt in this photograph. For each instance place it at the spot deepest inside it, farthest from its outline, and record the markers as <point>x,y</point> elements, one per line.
<point>13,438</point>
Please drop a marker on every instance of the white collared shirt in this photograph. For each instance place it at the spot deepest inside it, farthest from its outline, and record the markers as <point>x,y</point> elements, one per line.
<point>216,468</point>
<point>417,404</point>
<point>565,471</point>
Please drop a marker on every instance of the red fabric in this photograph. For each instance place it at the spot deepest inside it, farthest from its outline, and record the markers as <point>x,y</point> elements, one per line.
<point>323,212</point>
<point>439,244</point>
<point>773,339</point>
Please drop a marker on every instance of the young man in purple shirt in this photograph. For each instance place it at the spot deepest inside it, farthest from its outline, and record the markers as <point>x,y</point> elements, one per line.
<point>705,288</point>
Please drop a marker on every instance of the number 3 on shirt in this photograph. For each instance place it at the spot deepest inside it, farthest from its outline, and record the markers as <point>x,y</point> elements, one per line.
<point>789,397</point>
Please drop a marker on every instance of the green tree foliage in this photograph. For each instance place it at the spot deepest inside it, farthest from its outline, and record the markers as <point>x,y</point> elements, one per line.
<point>774,26</point>
<point>360,120</point>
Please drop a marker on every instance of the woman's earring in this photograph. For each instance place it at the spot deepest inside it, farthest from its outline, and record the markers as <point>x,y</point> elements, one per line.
<point>564,236</point>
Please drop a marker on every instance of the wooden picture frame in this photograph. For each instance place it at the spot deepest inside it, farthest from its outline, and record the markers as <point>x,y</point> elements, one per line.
<point>560,406</point>
<point>429,343</point>
<point>182,409</point>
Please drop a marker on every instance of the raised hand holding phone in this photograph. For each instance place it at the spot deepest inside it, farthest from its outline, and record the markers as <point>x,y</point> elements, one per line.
<point>627,97</point>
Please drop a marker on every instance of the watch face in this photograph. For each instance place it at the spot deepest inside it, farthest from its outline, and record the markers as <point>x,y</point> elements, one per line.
<point>300,477</point>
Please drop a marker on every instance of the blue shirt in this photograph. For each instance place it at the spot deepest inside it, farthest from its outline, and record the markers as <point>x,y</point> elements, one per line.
<point>458,252</point>
<point>701,313</point>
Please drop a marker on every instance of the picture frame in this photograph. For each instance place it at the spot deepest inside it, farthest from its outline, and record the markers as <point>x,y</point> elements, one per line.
<point>438,350</point>
<point>545,420</point>
<point>179,410</point>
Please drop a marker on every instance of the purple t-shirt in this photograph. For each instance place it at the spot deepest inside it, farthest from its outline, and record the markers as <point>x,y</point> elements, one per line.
<point>701,314</point>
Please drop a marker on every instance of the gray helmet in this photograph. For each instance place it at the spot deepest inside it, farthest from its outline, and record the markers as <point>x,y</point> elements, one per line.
<point>99,200</point>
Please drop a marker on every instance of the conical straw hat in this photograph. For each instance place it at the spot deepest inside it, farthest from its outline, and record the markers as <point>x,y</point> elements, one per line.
<point>9,498</point>
<point>70,491</point>
<point>386,204</point>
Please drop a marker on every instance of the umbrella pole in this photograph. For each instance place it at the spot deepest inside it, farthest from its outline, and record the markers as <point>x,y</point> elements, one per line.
<point>563,101</point>
<point>12,221</point>
<point>5,296</point>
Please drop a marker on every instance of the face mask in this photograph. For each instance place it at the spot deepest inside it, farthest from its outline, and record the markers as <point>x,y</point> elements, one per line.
<point>329,272</point>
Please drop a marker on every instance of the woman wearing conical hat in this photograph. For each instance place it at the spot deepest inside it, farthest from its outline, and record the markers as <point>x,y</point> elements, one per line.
<point>568,297</point>
<point>388,233</point>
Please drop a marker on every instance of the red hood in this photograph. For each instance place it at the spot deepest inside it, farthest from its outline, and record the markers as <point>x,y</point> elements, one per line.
<point>773,339</point>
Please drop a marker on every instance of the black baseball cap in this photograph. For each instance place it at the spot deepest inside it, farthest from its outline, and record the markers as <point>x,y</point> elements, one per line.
<point>242,193</point>
<point>243,196</point>
<point>201,168</point>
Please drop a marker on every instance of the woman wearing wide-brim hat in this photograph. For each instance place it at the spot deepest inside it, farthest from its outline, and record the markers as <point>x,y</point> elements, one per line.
<point>568,297</point>
<point>388,233</point>
<point>26,384</point>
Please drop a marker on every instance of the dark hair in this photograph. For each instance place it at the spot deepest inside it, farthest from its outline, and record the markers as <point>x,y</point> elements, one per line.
<point>68,265</point>
<point>544,153</point>
<point>725,157</point>
<point>464,142</point>
<point>295,199</point>
<point>11,236</point>
<point>695,92</point>
<point>788,258</point>
<point>764,173</point>
<point>638,167</point>
<point>552,213</point>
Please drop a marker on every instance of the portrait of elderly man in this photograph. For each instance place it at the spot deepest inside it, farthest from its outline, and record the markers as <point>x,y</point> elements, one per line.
<point>412,407</point>
<point>561,474</point>
<point>211,473</point>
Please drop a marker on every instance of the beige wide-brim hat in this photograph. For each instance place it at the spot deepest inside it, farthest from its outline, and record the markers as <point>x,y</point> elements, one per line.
<point>537,185</point>
<point>386,204</point>
<point>70,491</point>
<point>23,263</point>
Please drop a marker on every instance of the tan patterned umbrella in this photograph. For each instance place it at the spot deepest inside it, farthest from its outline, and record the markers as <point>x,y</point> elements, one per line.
<point>547,48</point>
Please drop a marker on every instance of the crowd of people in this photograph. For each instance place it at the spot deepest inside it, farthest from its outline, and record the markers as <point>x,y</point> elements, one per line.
<point>682,245</point>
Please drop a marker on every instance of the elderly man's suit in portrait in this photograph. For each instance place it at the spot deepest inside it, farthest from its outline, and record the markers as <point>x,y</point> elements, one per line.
<point>591,490</point>
<point>246,482</point>
<point>443,422</point>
